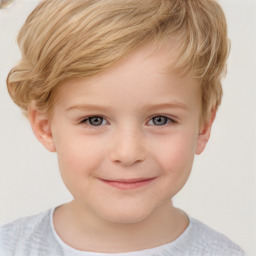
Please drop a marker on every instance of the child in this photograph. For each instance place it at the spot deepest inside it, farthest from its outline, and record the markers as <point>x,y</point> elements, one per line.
<point>125,92</point>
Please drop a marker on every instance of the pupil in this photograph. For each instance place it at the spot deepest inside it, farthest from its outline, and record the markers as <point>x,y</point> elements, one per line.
<point>95,120</point>
<point>160,120</point>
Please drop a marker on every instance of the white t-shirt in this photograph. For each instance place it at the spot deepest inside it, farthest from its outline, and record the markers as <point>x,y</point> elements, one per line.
<point>35,236</point>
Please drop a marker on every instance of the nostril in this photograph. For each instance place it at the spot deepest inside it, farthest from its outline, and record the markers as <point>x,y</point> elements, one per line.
<point>127,158</point>
<point>128,148</point>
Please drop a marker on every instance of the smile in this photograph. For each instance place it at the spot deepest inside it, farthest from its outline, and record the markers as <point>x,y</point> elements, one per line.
<point>129,184</point>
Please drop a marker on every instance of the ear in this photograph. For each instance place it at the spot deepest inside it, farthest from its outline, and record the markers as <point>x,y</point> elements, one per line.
<point>205,133</point>
<point>41,127</point>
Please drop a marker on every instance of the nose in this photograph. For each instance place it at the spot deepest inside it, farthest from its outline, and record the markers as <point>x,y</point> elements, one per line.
<point>128,147</point>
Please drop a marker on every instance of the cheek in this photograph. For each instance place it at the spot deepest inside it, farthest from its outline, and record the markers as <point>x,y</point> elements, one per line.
<point>177,154</point>
<point>78,161</point>
<point>79,156</point>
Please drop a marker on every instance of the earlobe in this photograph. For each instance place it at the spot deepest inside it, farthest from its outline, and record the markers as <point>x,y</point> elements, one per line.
<point>204,134</point>
<point>41,127</point>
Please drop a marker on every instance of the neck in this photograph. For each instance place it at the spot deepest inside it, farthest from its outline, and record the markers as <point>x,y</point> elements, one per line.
<point>92,233</point>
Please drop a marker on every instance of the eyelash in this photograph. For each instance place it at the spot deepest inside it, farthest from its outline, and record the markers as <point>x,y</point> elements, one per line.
<point>169,121</point>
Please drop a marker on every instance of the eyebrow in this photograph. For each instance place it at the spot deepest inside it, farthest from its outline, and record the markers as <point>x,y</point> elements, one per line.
<point>87,107</point>
<point>166,105</point>
<point>147,107</point>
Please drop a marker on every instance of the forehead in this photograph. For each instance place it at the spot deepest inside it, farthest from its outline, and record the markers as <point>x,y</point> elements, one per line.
<point>147,72</point>
<point>159,58</point>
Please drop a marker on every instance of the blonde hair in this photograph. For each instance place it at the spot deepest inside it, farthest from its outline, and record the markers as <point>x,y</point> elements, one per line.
<point>63,39</point>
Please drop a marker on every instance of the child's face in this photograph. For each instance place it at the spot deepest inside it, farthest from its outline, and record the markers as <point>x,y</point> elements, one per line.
<point>126,139</point>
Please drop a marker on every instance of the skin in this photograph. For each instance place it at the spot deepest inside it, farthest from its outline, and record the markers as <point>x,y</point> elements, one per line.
<point>146,126</point>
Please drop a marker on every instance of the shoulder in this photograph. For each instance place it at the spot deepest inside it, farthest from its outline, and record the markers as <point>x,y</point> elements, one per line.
<point>26,223</point>
<point>25,226</point>
<point>210,242</point>
<point>25,234</point>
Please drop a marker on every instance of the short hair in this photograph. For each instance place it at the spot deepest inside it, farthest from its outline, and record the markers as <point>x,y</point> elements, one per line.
<point>63,40</point>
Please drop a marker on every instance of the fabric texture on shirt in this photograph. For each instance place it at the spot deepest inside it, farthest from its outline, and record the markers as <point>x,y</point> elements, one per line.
<point>35,236</point>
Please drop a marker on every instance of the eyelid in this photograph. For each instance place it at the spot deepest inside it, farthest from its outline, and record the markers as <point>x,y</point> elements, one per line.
<point>171,120</point>
<point>86,118</point>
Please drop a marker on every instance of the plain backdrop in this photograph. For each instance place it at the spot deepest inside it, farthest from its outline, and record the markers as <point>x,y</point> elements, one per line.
<point>221,190</point>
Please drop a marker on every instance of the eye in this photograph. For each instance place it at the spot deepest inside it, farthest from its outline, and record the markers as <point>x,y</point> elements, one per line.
<point>95,121</point>
<point>160,121</point>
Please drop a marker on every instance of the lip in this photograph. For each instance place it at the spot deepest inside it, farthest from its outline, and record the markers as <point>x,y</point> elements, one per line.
<point>128,184</point>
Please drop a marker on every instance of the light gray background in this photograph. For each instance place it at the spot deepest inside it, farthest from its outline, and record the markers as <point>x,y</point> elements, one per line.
<point>221,190</point>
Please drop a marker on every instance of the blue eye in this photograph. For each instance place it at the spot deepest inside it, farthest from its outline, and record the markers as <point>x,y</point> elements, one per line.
<point>156,120</point>
<point>95,121</point>
<point>160,121</point>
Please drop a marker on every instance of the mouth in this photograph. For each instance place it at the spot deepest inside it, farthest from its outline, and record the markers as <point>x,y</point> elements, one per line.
<point>128,184</point>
